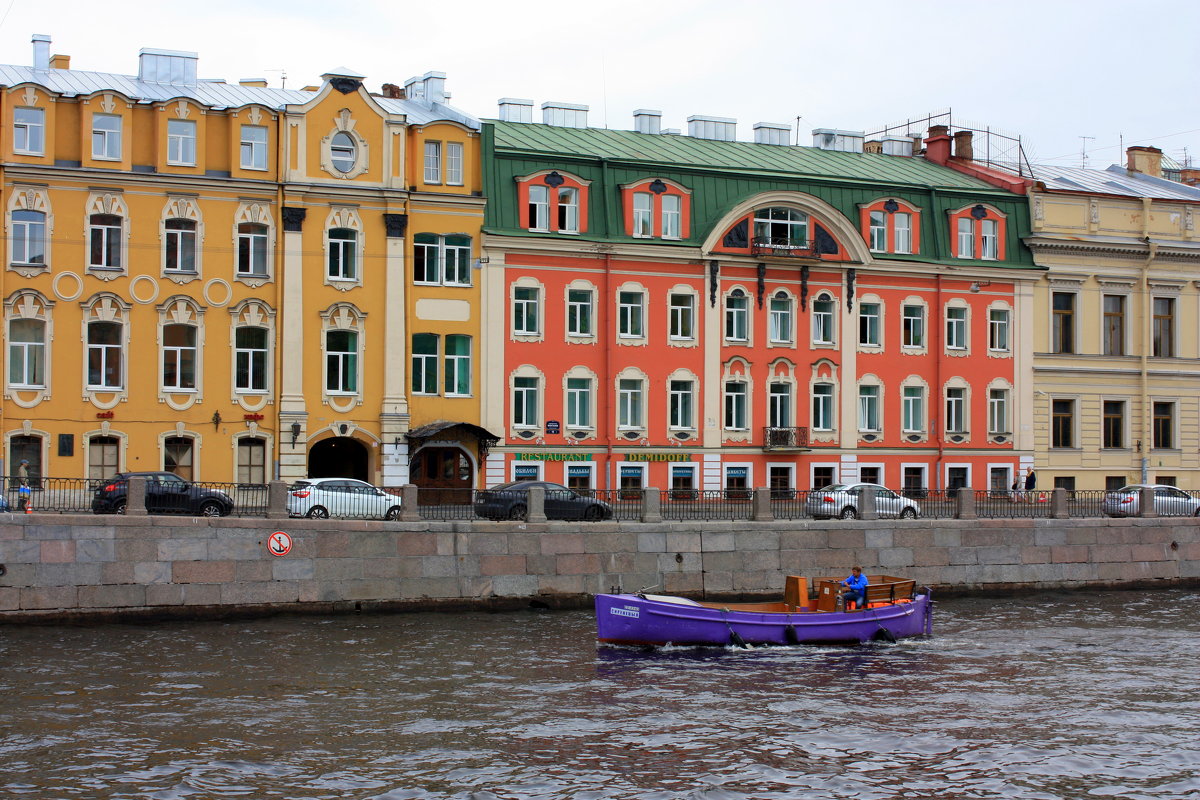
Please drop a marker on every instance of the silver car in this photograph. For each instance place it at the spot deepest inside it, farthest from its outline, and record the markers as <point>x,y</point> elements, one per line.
<point>842,500</point>
<point>321,498</point>
<point>1168,501</point>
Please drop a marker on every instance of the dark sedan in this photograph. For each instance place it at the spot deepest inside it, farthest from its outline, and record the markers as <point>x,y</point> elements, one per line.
<point>511,501</point>
<point>166,493</point>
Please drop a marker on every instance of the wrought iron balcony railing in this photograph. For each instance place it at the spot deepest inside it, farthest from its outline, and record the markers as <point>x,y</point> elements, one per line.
<point>783,247</point>
<point>784,438</point>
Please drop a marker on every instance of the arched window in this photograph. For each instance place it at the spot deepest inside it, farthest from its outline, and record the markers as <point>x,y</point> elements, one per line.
<point>104,240</point>
<point>252,249</point>
<point>28,237</point>
<point>780,227</point>
<point>26,353</point>
<point>104,370</point>
<point>181,245</point>
<point>250,355</point>
<point>179,357</point>
<point>343,255</point>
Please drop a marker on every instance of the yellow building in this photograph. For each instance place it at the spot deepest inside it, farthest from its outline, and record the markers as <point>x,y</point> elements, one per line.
<point>246,269</point>
<point>1116,347</point>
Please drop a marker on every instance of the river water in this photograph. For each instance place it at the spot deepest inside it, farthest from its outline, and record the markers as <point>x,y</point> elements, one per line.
<point>1081,695</point>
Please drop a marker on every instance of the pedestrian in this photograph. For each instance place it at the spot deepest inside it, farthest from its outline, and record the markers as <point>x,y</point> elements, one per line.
<point>1015,494</point>
<point>1030,483</point>
<point>22,484</point>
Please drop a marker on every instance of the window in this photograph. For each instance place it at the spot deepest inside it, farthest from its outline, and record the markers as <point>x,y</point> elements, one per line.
<point>539,208</point>
<point>878,232</point>
<point>643,219</point>
<point>106,136</point>
<point>630,310</point>
<point>779,405</point>
<point>28,237</point>
<point>779,323</point>
<point>868,324</point>
<point>868,408</point>
<point>1114,325</point>
<point>822,407</point>
<point>433,162</point>
<point>579,312</point>
<point>424,363</point>
<point>104,237</point>
<point>888,229</point>
<point>1163,345</point>
<point>966,238</point>
<point>956,410</point>
<point>683,482</point>
<point>341,362</point>
<point>1114,424</point>
<point>103,457</point>
<point>682,313</point>
<point>912,326</point>
<point>431,252</point>
<point>343,151</point>
<point>254,147</point>
<point>998,411</point>
<point>823,476</point>
<point>912,413</point>
<point>1164,426</point>
<point>181,142</point>
<point>568,210</point>
<point>1062,423</point>
<point>822,320</point>
<point>29,131</point>
<point>250,359</point>
<point>179,357</point>
<point>104,355</point>
<point>902,232</point>
<point>454,163</point>
<point>956,328</point>
<point>427,258</point>
<point>458,365</point>
<point>989,233</point>
<point>26,353</point>
<point>737,316</point>
<point>180,255</point>
<point>735,406</point>
<point>998,329</point>
<point>783,228</point>
<point>672,216</point>
<point>579,402</point>
<point>525,402</point>
<point>1063,322</point>
<point>978,233</point>
<point>579,478</point>
<point>343,243</point>
<point>178,456</point>
<point>252,461</point>
<point>252,249</point>
<point>525,311</point>
<point>680,405</point>
<point>629,403</point>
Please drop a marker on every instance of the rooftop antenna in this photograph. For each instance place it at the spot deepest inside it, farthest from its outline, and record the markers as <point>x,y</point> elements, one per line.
<point>1083,151</point>
<point>282,76</point>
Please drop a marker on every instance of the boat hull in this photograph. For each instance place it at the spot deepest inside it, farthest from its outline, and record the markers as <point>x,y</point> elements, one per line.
<point>657,620</point>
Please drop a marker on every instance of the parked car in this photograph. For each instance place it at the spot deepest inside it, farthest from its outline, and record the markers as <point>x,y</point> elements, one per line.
<point>842,500</point>
<point>166,493</point>
<point>511,501</point>
<point>322,498</point>
<point>1168,501</point>
<point>3,504</point>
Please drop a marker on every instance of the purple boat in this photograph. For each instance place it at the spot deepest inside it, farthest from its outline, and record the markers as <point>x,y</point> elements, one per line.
<point>894,609</point>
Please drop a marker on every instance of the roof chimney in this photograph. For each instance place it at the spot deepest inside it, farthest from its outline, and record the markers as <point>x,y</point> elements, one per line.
<point>896,145</point>
<point>514,109</point>
<point>647,120</point>
<point>414,89</point>
<point>41,51</point>
<point>962,145</point>
<point>1147,160</point>
<point>873,146</point>
<point>59,61</point>
<point>258,83</point>
<point>435,87</point>
<point>772,133</point>
<point>844,141</point>
<point>722,129</point>
<point>937,145</point>
<point>167,66</point>
<point>1189,176</point>
<point>391,91</point>
<point>564,115</point>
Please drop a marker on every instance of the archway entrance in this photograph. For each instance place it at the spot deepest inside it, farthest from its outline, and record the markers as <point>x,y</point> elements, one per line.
<point>444,474</point>
<point>339,457</point>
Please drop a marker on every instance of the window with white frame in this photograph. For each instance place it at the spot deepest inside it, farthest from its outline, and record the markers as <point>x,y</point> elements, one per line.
<point>180,252</point>
<point>966,237</point>
<point>998,329</point>
<point>902,231</point>
<point>869,324</point>
<point>989,233</point>
<point>104,240</point>
<point>736,405</point>
<point>252,461</point>
<point>822,407</point>
<point>568,209</point>
<point>526,301</point>
<point>779,323</point>
<point>956,410</point>
<point>822,320</point>
<point>783,228</point>
<point>878,231</point>
<point>454,163</point>
<point>956,328</point>
<point>179,358</point>
<point>525,402</point>
<point>343,151</point>
<point>341,362</point>
<point>912,412</point>
<point>433,162</point>
<point>630,403</point>
<point>672,216</point>
<point>779,404</point>
<point>26,353</point>
<point>104,350</point>
<point>254,147</point>
<point>681,404</point>
<point>181,142</point>
<point>104,454</point>
<point>580,311</point>
<point>868,409</point>
<point>343,254</point>
<point>683,314</point>
<point>442,259</point>
<point>998,411</point>
<point>643,214</point>
<point>539,207</point>
<point>250,359</point>
<point>425,363</point>
<point>579,403</point>
<point>106,136</point>
<point>912,327</point>
<point>737,316</point>
<point>29,131</point>
<point>28,237</point>
<point>630,314</point>
<point>252,240</point>
<point>457,372</point>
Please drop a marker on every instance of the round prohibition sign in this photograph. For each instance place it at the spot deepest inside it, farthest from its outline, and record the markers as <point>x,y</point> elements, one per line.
<point>279,544</point>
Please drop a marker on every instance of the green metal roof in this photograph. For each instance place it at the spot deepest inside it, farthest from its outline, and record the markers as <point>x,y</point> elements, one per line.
<point>744,157</point>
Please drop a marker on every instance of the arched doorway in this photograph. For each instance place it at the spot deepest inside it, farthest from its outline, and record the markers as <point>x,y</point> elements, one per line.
<point>444,473</point>
<point>339,457</point>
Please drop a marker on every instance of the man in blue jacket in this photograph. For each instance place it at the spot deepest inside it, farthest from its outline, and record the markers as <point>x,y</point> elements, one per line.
<point>856,588</point>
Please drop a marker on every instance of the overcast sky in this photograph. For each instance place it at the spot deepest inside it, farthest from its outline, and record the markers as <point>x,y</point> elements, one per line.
<point>1051,71</point>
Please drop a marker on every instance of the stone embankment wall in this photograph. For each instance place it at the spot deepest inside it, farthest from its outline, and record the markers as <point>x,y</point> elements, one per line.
<point>85,567</point>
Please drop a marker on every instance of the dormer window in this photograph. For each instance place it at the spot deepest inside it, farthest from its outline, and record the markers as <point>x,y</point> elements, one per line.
<point>891,226</point>
<point>106,136</point>
<point>978,233</point>
<point>343,152</point>
<point>552,202</point>
<point>656,209</point>
<point>785,228</point>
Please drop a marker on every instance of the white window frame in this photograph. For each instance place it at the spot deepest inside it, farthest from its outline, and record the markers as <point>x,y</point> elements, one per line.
<point>21,230</point>
<point>902,233</point>
<point>823,312</point>
<point>877,229</point>
<point>780,320</point>
<point>426,379</point>
<point>999,339</point>
<point>737,316</point>
<point>989,239</point>
<point>956,410</point>
<point>631,314</point>
<point>966,237</point>
<point>253,147</point>
<point>823,407</point>
<point>26,357</point>
<point>737,405</point>
<point>526,309</point>
<point>525,402</point>
<point>347,364</point>
<point>998,411</point>
<point>679,314</point>
<point>681,404</point>
<point>568,209</point>
<point>912,412</point>
<point>107,353</point>
<point>343,152</point>
<point>869,411</point>
<point>956,328</point>
<point>183,240</point>
<point>342,264</point>
<point>181,142</point>
<point>106,141</point>
<point>580,405</point>
<point>581,313</point>
<point>250,234</point>
<point>779,404</point>
<point>873,322</point>
<point>433,162</point>
<point>631,404</point>
<point>29,134</point>
<point>454,163</point>
<point>256,359</point>
<point>539,207</point>
<point>643,215</point>
<point>672,216</point>
<point>176,356</point>
<point>910,325</point>
<point>107,233</point>
<point>456,365</point>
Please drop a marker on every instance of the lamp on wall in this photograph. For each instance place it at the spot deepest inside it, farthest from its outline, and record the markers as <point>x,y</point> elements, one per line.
<point>295,432</point>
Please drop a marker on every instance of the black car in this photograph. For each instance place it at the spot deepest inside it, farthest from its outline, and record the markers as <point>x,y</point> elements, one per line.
<point>166,493</point>
<point>511,501</point>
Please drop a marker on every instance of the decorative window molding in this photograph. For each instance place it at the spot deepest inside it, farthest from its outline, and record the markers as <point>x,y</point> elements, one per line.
<point>580,298</point>
<point>978,232</point>
<point>526,302</point>
<point>344,152</point>
<point>23,252</point>
<point>174,238</point>
<point>254,248</point>
<point>870,412</point>
<point>345,243</point>
<point>914,326</point>
<point>342,345</point>
<point>823,320</point>
<point>683,304</point>
<point>544,202</point>
<point>737,391</point>
<point>105,369</point>
<point>872,324</point>
<point>781,319</point>
<point>656,208</point>
<point>999,411</point>
<point>956,416</point>
<point>527,399</point>
<point>1000,330</point>
<point>180,360</point>
<point>823,389</point>
<point>102,207</point>
<point>252,373</point>
<point>956,328</point>
<point>630,387</point>
<point>31,125</point>
<point>683,409</point>
<point>579,403</point>
<point>891,226</point>
<point>914,409</point>
<point>29,336</point>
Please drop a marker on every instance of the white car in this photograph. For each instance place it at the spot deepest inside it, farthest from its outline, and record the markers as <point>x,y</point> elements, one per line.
<point>841,500</point>
<point>321,498</point>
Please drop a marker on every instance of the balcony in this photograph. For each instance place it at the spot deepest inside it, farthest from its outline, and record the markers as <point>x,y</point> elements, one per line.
<point>782,247</point>
<point>785,438</point>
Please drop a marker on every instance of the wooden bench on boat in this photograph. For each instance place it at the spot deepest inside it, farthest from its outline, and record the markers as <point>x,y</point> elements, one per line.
<point>881,590</point>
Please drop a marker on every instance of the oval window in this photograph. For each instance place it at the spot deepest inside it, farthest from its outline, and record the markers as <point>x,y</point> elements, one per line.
<point>342,152</point>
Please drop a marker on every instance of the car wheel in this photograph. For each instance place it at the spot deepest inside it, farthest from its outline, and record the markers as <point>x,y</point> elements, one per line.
<point>593,513</point>
<point>518,511</point>
<point>118,507</point>
<point>210,508</point>
<point>908,513</point>
<point>318,512</point>
<point>849,513</point>
<point>392,513</point>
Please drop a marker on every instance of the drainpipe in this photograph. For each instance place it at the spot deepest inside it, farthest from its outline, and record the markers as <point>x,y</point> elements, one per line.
<point>602,314</point>
<point>1147,342</point>
<point>937,422</point>
<point>277,367</point>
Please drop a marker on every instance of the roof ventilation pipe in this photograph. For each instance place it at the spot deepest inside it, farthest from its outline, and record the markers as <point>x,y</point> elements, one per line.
<point>646,120</point>
<point>721,129</point>
<point>772,133</point>
<point>41,51</point>
<point>842,141</point>
<point>564,115</point>
<point>514,109</point>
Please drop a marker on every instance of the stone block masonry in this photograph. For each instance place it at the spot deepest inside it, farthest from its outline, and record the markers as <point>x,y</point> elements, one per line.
<point>63,567</point>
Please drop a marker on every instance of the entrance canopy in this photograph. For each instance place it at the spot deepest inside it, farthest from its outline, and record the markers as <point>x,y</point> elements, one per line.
<point>421,435</point>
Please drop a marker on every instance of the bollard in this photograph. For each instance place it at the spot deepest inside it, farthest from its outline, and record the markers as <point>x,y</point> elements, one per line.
<point>135,496</point>
<point>761,509</point>
<point>410,511</point>
<point>1146,503</point>
<point>1058,504</point>
<point>536,510</point>
<point>867,507</point>
<point>651,505</point>
<point>965,503</point>
<point>277,495</point>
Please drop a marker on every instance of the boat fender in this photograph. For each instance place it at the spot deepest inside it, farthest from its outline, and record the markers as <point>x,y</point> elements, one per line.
<point>884,635</point>
<point>736,639</point>
<point>789,634</point>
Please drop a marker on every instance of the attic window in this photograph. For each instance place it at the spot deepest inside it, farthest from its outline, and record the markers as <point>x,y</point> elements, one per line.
<point>343,152</point>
